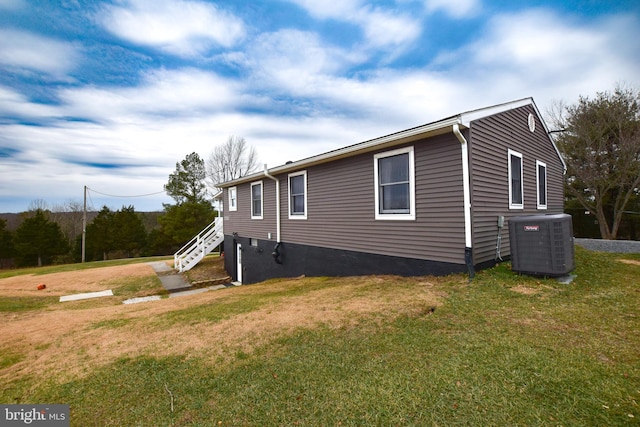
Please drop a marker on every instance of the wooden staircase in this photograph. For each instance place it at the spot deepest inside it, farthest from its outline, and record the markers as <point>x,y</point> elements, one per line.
<point>198,247</point>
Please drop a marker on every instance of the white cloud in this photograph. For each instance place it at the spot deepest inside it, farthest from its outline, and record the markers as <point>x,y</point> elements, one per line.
<point>162,95</point>
<point>295,61</point>
<point>454,8</point>
<point>27,50</point>
<point>546,55</point>
<point>382,28</point>
<point>13,103</point>
<point>181,27</point>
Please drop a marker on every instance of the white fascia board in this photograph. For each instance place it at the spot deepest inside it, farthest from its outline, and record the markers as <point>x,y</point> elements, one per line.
<point>469,116</point>
<point>372,145</point>
<point>546,130</point>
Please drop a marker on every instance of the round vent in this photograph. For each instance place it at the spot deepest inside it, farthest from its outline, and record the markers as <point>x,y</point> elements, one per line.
<point>532,123</point>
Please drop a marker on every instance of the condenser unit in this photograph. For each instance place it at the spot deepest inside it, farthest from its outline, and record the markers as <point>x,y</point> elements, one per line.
<point>542,244</point>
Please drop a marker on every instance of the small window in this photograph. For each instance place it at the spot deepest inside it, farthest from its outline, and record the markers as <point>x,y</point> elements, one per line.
<point>298,195</point>
<point>395,184</point>
<point>233,198</point>
<point>256,200</point>
<point>253,242</point>
<point>516,189</point>
<point>542,184</point>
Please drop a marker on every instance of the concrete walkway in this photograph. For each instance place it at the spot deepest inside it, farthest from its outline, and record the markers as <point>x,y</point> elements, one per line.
<point>175,283</point>
<point>171,280</point>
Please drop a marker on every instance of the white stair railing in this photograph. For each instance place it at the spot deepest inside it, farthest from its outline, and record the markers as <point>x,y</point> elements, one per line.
<point>197,248</point>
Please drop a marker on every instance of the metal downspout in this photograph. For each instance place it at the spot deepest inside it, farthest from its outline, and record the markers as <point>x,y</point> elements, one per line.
<point>468,250</point>
<point>276,252</point>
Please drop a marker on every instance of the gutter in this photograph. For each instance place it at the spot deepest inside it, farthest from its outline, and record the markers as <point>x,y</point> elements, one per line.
<point>468,250</point>
<point>266,174</point>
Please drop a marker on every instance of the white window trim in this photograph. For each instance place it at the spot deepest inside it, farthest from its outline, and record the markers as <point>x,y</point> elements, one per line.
<point>546,184</point>
<point>516,154</point>
<point>291,214</point>
<point>261,199</point>
<point>412,186</point>
<point>233,206</point>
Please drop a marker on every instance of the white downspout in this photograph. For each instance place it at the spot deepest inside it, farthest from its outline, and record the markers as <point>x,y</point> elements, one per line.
<point>467,199</point>
<point>266,173</point>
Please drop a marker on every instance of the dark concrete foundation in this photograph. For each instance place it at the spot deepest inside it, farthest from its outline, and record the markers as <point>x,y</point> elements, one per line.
<point>259,263</point>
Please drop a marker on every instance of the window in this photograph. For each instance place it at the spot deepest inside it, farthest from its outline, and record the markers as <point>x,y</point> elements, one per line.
<point>542,184</point>
<point>256,200</point>
<point>298,195</point>
<point>395,184</point>
<point>516,197</point>
<point>233,198</point>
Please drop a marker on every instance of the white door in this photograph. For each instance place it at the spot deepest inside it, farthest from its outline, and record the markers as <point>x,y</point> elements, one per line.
<point>239,262</point>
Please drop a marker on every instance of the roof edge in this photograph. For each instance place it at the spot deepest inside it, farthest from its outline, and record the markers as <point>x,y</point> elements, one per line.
<point>430,129</point>
<point>408,135</point>
<point>467,117</point>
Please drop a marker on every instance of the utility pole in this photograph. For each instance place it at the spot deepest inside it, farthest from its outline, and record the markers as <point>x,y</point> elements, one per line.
<point>84,224</point>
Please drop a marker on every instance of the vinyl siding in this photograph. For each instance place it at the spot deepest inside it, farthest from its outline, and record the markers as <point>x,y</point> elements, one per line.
<point>341,207</point>
<point>239,221</point>
<point>490,140</point>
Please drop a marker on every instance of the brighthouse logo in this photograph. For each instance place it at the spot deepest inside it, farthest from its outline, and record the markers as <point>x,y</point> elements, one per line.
<point>37,415</point>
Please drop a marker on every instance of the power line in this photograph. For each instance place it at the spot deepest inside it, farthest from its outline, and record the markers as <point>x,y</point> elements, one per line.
<point>126,197</point>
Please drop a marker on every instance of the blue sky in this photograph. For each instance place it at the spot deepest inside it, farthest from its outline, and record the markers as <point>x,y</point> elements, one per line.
<point>111,94</point>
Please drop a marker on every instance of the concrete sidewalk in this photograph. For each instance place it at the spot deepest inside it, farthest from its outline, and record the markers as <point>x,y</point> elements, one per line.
<point>171,280</point>
<point>175,283</point>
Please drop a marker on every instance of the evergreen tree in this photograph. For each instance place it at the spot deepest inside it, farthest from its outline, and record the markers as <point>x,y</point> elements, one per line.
<point>6,243</point>
<point>192,211</point>
<point>38,240</point>
<point>100,238</point>
<point>186,184</point>
<point>129,233</point>
<point>182,222</point>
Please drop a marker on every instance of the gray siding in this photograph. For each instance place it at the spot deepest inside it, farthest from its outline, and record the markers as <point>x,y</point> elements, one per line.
<point>341,207</point>
<point>240,221</point>
<point>490,140</point>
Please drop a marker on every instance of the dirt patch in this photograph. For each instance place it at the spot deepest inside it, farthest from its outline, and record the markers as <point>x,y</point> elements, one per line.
<point>207,270</point>
<point>630,261</point>
<point>525,290</point>
<point>70,343</point>
<point>72,282</point>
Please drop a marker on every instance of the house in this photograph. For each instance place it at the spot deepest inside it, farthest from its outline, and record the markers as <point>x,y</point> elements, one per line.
<point>434,199</point>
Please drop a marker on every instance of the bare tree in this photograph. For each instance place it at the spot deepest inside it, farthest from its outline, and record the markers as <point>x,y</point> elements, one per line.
<point>231,160</point>
<point>69,216</point>
<point>600,142</point>
<point>38,205</point>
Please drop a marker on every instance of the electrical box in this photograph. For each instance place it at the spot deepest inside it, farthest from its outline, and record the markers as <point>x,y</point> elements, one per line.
<point>542,244</point>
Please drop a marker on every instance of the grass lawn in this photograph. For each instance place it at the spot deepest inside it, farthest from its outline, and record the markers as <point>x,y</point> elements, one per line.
<point>505,350</point>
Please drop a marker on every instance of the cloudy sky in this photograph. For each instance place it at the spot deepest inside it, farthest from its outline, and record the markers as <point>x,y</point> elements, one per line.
<point>111,94</point>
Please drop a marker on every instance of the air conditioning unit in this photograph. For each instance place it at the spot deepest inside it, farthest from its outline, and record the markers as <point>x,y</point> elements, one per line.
<point>542,244</point>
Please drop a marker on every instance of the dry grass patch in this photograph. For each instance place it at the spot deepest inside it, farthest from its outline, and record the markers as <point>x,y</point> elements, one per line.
<point>70,282</point>
<point>70,342</point>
